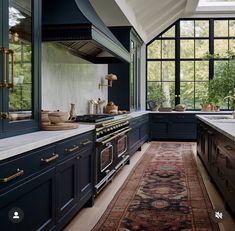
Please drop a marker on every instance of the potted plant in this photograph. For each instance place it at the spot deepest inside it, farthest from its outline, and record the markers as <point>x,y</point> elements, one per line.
<point>224,83</point>
<point>156,98</point>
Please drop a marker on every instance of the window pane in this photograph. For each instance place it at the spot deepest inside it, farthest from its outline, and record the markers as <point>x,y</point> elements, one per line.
<point>187,70</point>
<point>170,32</point>
<point>232,28</point>
<point>201,90</point>
<point>232,44</point>
<point>221,28</point>
<point>201,48</point>
<point>187,48</point>
<point>219,66</point>
<point>186,28</point>
<point>221,47</point>
<point>187,94</point>
<point>201,28</point>
<point>154,71</point>
<point>169,92</point>
<point>168,71</point>
<point>153,89</point>
<point>201,70</point>
<point>154,50</point>
<point>168,49</point>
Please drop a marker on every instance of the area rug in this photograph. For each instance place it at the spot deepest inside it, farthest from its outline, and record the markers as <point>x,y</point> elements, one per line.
<point>164,192</point>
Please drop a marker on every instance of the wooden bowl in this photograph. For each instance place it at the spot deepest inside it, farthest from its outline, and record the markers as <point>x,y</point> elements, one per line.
<point>58,117</point>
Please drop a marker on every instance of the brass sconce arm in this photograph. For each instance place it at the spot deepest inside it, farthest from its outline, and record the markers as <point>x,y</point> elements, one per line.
<point>110,78</point>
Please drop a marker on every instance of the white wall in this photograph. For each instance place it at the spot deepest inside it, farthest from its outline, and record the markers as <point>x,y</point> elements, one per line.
<point>68,79</point>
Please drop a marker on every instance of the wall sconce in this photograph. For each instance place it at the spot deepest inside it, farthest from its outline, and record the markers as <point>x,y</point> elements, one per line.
<point>110,78</point>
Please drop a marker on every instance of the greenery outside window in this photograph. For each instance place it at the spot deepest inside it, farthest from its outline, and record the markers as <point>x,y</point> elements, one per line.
<point>176,59</point>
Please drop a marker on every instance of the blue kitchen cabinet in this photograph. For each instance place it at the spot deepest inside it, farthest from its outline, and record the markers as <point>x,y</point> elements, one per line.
<point>178,126</point>
<point>217,153</point>
<point>36,198</point>
<point>50,184</point>
<point>20,39</point>
<point>139,133</point>
<point>128,73</point>
<point>75,179</point>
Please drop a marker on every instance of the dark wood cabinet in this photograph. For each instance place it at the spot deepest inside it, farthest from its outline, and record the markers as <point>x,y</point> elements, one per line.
<point>139,132</point>
<point>177,126</point>
<point>49,184</point>
<point>128,73</point>
<point>217,153</point>
<point>19,66</point>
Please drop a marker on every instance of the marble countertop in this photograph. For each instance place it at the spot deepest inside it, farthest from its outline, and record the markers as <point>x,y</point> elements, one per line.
<point>15,145</point>
<point>225,127</point>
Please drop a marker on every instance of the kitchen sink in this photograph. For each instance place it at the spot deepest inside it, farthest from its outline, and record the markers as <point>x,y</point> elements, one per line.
<point>221,119</point>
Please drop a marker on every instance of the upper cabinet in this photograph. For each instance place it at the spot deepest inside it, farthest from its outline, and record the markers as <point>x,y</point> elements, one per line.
<point>19,66</point>
<point>125,92</point>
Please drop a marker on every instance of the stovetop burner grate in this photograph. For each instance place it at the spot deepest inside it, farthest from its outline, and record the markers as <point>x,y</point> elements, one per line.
<point>95,118</point>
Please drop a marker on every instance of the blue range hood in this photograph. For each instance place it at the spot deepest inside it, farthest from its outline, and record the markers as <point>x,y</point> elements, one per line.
<point>76,25</point>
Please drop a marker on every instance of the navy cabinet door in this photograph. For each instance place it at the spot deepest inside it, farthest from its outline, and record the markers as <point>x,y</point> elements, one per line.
<point>66,187</point>
<point>36,198</point>
<point>20,66</point>
<point>85,175</point>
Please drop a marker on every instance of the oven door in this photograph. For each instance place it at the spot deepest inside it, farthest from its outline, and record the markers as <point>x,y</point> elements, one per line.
<point>104,161</point>
<point>121,156</point>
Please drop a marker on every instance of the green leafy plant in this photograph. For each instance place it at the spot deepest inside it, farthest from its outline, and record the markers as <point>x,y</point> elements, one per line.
<point>223,83</point>
<point>156,94</point>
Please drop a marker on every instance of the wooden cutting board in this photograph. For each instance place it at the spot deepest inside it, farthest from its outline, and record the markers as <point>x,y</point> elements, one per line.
<point>62,126</point>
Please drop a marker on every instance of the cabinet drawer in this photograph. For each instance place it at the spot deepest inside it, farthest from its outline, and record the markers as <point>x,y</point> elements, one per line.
<point>75,144</point>
<point>15,170</point>
<point>158,117</point>
<point>183,118</point>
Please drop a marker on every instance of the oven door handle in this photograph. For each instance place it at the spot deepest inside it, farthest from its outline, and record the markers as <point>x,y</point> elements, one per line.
<point>113,137</point>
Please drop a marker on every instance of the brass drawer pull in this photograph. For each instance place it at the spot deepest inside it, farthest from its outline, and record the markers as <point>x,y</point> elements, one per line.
<point>54,157</point>
<point>9,178</point>
<point>86,142</point>
<point>74,148</point>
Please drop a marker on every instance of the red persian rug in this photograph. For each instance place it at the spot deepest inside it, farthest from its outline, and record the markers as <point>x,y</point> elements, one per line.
<point>164,192</point>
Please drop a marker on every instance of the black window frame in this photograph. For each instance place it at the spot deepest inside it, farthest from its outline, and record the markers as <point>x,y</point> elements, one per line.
<point>178,59</point>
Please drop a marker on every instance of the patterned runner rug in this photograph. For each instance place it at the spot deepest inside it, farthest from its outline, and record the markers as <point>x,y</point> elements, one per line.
<point>164,192</point>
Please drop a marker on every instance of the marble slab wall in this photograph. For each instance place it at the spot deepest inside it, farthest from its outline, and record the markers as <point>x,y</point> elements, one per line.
<point>69,79</point>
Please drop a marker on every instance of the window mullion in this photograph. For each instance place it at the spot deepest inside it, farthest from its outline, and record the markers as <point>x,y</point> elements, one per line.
<point>177,62</point>
<point>211,48</point>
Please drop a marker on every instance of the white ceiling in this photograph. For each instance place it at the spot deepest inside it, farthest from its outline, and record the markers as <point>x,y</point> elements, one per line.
<point>149,17</point>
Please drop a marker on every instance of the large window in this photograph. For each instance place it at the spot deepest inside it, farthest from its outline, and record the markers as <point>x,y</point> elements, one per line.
<point>176,63</point>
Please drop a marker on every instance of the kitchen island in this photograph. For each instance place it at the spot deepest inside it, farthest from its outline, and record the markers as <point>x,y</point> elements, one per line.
<point>216,149</point>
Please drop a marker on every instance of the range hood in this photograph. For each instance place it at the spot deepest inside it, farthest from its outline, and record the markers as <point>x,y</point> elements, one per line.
<point>76,25</point>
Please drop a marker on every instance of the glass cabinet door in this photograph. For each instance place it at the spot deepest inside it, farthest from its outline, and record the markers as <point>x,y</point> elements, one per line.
<point>20,66</point>
<point>20,60</point>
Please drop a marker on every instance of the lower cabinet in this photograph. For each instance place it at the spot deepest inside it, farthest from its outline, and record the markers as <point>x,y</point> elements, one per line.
<point>217,153</point>
<point>53,189</point>
<point>139,133</point>
<point>67,188</point>
<point>36,198</point>
<point>173,126</point>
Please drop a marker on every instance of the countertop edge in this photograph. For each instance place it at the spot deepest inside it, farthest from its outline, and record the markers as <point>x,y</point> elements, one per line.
<point>216,127</point>
<point>37,140</point>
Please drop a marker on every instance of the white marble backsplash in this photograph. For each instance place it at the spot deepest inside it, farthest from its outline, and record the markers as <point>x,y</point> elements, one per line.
<point>69,79</point>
